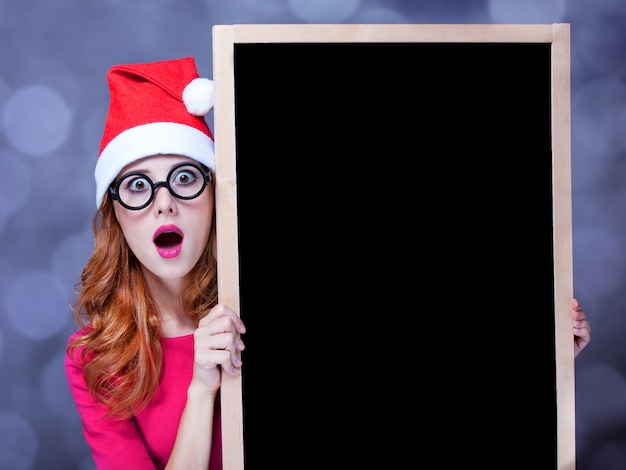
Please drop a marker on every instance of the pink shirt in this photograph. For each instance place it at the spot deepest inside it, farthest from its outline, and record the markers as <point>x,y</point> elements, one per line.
<point>146,440</point>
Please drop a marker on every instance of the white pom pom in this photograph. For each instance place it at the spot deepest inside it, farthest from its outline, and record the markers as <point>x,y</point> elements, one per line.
<point>198,96</point>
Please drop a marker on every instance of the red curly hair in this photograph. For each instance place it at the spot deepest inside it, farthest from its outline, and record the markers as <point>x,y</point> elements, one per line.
<point>119,320</point>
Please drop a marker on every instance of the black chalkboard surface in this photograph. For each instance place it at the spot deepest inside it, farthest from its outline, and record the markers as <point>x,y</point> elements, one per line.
<point>396,251</point>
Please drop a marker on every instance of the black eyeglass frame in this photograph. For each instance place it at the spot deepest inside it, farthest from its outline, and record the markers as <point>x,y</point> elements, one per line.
<point>114,188</point>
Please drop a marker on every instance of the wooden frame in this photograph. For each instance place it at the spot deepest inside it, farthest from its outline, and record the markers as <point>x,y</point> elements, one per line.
<point>557,36</point>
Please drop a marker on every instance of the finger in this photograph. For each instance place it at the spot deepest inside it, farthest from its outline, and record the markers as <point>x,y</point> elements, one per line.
<point>232,367</point>
<point>216,327</point>
<point>220,311</point>
<point>576,311</point>
<point>230,363</point>
<point>582,326</point>
<point>581,329</point>
<point>219,350</point>
<point>223,342</point>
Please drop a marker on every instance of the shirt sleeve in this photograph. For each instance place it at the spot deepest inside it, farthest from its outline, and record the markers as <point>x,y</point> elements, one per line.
<point>115,444</point>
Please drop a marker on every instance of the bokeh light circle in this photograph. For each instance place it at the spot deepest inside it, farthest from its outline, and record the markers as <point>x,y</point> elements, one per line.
<point>37,304</point>
<point>36,120</point>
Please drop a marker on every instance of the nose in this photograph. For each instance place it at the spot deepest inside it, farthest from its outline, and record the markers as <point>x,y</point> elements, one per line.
<point>163,199</point>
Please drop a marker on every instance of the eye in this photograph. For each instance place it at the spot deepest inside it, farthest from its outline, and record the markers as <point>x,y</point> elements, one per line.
<point>184,177</point>
<point>137,183</point>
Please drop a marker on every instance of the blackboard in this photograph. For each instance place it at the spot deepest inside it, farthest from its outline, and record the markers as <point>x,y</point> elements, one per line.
<point>394,227</point>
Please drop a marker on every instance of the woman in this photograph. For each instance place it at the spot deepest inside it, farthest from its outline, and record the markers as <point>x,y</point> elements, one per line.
<point>145,366</point>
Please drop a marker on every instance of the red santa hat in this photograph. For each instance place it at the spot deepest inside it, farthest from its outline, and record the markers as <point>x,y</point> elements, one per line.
<point>155,108</point>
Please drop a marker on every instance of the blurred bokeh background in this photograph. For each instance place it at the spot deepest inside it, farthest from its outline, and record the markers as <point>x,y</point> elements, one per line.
<point>53,98</point>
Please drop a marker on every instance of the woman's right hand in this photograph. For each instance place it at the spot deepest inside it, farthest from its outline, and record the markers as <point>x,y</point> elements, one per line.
<point>218,347</point>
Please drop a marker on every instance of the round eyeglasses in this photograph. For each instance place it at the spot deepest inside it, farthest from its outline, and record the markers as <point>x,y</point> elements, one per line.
<point>135,190</point>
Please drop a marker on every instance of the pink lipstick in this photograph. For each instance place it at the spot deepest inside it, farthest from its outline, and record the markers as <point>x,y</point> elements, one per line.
<point>168,240</point>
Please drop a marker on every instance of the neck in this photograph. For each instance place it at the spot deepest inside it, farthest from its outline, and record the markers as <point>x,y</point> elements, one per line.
<point>166,294</point>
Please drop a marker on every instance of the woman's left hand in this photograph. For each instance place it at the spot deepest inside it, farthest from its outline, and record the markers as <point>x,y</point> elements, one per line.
<point>582,327</point>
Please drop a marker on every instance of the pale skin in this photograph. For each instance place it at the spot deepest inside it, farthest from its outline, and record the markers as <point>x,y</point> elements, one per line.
<point>581,327</point>
<point>217,339</point>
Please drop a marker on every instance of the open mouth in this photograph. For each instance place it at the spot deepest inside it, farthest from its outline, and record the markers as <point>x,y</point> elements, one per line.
<point>168,240</point>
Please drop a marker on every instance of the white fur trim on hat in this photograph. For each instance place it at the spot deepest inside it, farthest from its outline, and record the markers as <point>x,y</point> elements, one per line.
<point>147,140</point>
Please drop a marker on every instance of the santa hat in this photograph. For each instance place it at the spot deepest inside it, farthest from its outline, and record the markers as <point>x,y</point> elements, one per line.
<point>155,108</point>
